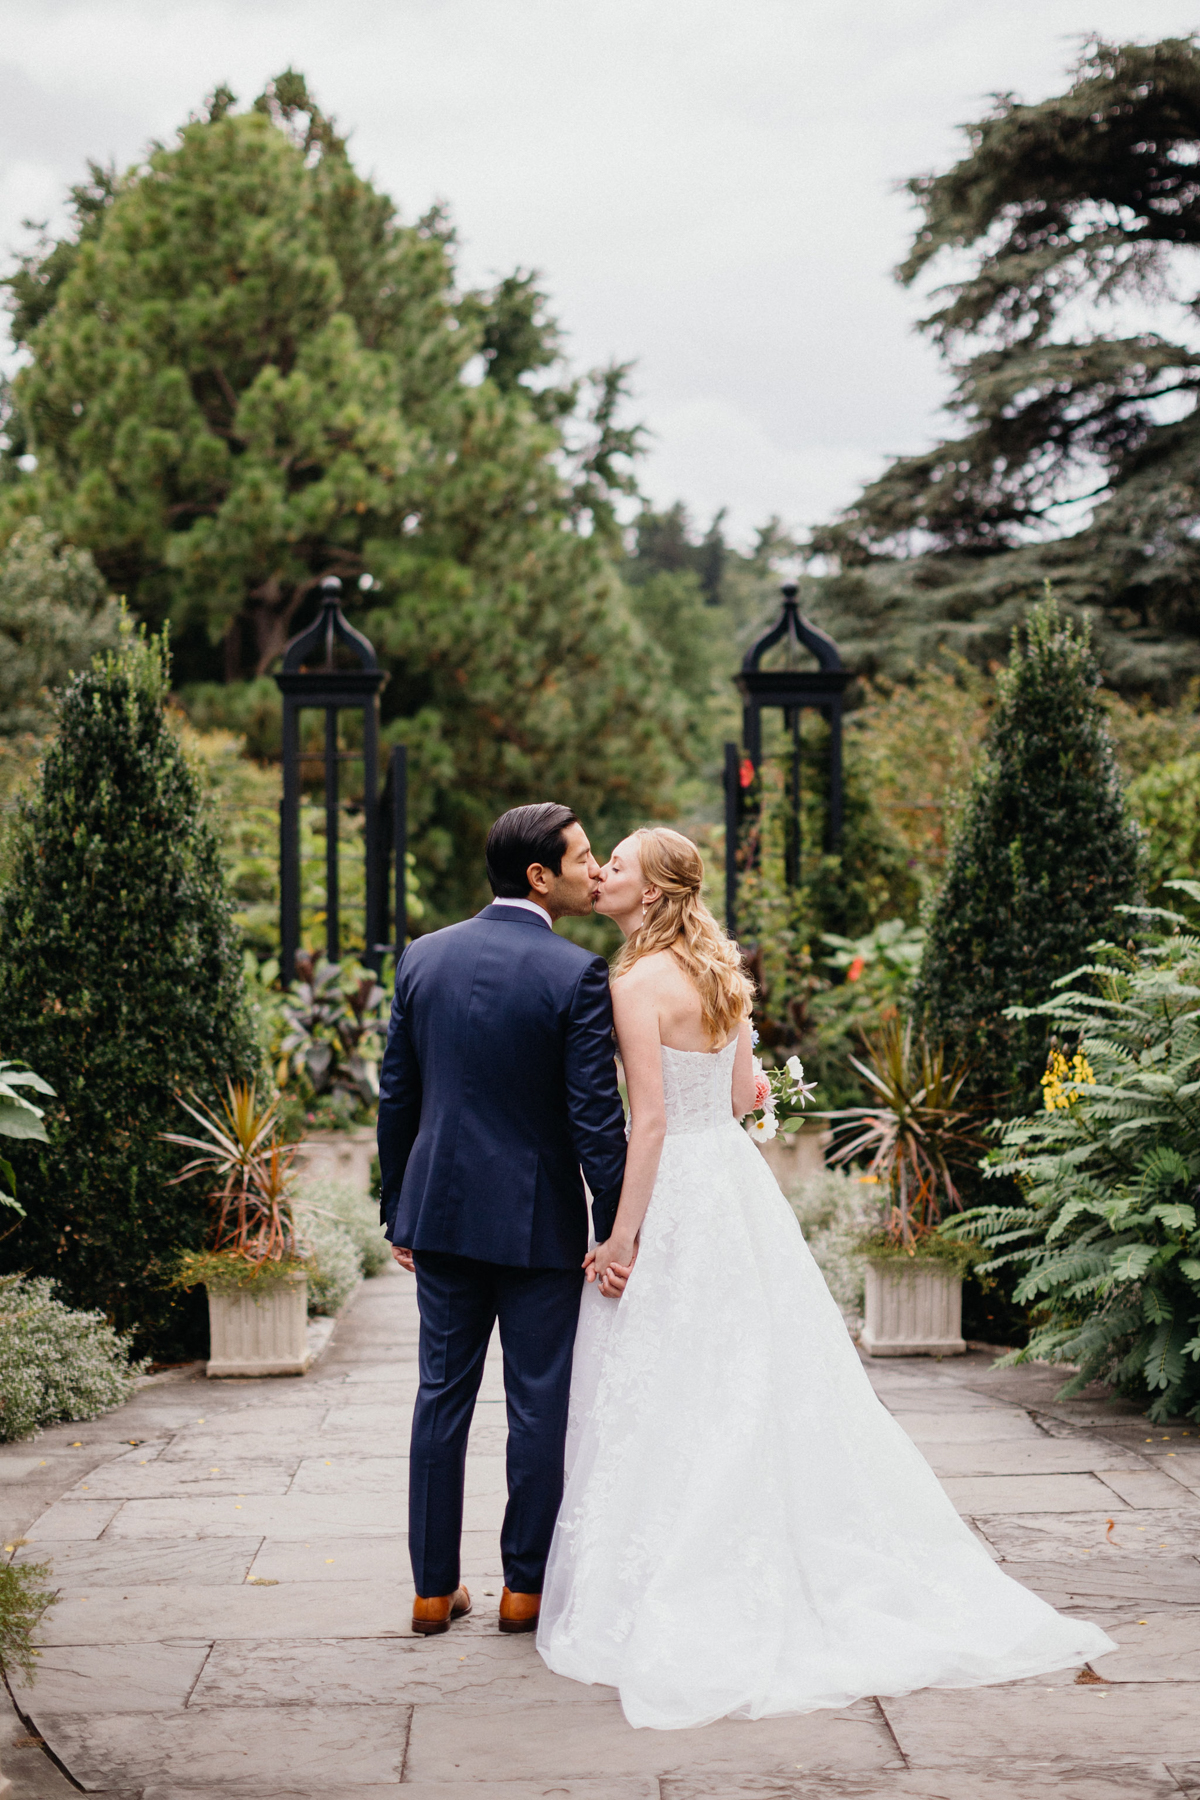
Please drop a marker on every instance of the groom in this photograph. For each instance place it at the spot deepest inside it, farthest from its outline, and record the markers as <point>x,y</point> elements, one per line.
<point>498,1083</point>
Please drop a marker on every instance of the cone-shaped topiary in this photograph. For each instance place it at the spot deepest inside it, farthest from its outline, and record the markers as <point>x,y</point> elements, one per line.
<point>1043,855</point>
<point>121,983</point>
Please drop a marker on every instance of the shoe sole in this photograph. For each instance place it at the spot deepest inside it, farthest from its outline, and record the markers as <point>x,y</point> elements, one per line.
<point>515,1625</point>
<point>435,1627</point>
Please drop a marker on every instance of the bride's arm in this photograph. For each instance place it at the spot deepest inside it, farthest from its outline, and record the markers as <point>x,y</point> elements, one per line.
<point>635,1014</point>
<point>743,1073</point>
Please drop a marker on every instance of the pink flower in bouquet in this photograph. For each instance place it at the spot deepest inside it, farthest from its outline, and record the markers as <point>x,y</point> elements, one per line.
<point>762,1085</point>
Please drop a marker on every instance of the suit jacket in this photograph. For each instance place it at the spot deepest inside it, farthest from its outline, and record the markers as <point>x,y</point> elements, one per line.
<point>498,1082</point>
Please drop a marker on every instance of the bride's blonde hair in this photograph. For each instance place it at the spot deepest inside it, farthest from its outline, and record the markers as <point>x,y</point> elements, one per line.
<point>681,923</point>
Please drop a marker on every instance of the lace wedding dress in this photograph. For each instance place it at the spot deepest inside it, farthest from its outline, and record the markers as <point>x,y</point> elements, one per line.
<point>745,1529</point>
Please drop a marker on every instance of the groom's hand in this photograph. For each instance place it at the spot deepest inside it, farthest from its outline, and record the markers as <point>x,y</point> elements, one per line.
<point>404,1258</point>
<point>610,1265</point>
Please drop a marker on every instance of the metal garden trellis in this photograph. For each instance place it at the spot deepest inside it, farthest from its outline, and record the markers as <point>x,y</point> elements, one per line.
<point>335,689</point>
<point>790,688</point>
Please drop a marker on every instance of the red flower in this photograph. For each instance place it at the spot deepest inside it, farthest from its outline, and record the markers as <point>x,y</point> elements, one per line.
<point>746,772</point>
<point>856,968</point>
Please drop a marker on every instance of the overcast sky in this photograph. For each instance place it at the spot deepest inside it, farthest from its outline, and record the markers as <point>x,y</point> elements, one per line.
<point>708,187</point>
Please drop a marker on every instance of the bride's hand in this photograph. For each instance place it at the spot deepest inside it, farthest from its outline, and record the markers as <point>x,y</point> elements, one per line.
<point>609,1265</point>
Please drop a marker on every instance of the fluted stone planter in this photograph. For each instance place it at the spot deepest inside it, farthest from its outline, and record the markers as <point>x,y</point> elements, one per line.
<point>266,1335</point>
<point>914,1307</point>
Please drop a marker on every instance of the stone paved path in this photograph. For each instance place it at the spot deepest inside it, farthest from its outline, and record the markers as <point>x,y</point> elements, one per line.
<point>236,1595</point>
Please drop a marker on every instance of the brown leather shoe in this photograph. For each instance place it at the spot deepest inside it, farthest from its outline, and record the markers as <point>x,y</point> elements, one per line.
<point>519,1612</point>
<point>434,1615</point>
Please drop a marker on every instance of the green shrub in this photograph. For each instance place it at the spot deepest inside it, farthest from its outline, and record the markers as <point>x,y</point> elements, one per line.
<point>55,613</point>
<point>1043,856</point>
<point>835,1210</point>
<point>56,1363</point>
<point>357,1213</point>
<point>335,1264</point>
<point>23,1603</point>
<point>1107,1231</point>
<point>1166,801</point>
<point>120,983</point>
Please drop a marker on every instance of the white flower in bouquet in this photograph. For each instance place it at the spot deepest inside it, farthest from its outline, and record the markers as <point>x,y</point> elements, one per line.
<point>807,1089</point>
<point>764,1128</point>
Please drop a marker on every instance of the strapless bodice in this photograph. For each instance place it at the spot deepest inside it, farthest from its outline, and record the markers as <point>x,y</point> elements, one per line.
<point>698,1088</point>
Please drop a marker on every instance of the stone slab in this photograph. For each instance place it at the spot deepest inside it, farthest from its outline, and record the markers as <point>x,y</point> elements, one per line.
<point>454,1743</point>
<point>1110,1722</point>
<point>112,1678</point>
<point>339,1473</point>
<point>986,1494</point>
<point>1050,1456</point>
<point>302,1750</point>
<point>287,1515</point>
<point>184,1476</point>
<point>411,1671</point>
<point>326,1559</point>
<point>1156,1647</point>
<point>70,1521</point>
<point>977,1425</point>
<point>1112,1581</point>
<point>208,1562</point>
<point>1152,1534</point>
<point>973,1781</point>
<point>1145,1488</point>
<point>132,1615</point>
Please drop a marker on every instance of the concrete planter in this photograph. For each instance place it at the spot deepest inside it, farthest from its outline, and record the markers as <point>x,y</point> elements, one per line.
<point>263,1335</point>
<point>914,1307</point>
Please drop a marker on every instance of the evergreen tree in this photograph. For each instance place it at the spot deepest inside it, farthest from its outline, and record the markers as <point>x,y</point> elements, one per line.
<point>246,373</point>
<point>121,984</point>
<point>1043,856</point>
<point>1058,210</point>
<point>55,614</point>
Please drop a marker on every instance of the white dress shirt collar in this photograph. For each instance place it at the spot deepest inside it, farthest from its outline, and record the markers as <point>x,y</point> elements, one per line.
<point>539,912</point>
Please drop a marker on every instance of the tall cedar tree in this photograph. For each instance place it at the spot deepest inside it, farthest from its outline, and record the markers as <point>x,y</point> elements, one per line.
<point>245,373</point>
<point>1058,210</point>
<point>1043,856</point>
<point>121,983</point>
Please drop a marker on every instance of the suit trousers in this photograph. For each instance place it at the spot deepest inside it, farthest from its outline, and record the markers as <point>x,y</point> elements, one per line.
<point>538,1310</point>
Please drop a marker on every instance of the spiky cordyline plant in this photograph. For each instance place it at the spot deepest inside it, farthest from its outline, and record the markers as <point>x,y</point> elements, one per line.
<point>1110,1169</point>
<point>915,1133</point>
<point>242,1152</point>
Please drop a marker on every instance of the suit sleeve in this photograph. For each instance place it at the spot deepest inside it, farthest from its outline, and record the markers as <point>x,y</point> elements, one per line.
<point>593,1098</point>
<point>399,1107</point>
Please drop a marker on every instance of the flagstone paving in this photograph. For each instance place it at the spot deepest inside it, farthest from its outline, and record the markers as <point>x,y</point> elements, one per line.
<point>235,1600</point>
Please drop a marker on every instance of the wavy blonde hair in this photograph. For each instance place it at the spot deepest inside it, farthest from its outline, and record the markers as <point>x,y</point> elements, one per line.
<point>681,923</point>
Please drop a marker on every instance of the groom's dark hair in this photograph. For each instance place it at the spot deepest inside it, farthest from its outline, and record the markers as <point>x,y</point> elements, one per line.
<point>527,834</point>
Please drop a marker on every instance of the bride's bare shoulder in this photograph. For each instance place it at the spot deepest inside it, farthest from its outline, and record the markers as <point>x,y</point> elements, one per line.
<point>647,972</point>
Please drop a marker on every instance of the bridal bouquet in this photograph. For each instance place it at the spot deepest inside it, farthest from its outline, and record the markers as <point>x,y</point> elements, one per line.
<point>780,1096</point>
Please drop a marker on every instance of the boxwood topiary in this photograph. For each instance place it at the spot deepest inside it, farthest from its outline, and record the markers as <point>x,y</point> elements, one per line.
<point>120,982</point>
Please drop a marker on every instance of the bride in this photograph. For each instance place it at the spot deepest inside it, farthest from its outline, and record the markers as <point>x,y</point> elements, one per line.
<point>745,1529</point>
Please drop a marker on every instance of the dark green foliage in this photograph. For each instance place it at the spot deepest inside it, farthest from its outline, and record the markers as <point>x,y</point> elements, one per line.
<point>245,372</point>
<point>55,613</point>
<point>121,982</point>
<point>1106,1229</point>
<point>1057,209</point>
<point>1043,856</point>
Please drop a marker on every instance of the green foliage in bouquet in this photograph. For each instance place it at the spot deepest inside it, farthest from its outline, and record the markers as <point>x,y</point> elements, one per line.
<point>1043,856</point>
<point>1107,1232</point>
<point>121,983</point>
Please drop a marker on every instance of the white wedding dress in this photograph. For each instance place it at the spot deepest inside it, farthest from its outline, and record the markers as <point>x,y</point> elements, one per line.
<point>745,1528</point>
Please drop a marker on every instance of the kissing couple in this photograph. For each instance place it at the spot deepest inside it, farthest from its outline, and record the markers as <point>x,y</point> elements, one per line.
<point>708,1508</point>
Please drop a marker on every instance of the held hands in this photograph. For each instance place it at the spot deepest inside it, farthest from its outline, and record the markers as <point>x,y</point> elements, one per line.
<point>610,1264</point>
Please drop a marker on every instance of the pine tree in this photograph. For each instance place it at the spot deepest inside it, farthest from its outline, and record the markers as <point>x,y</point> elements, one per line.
<point>1043,856</point>
<point>121,984</point>
<point>1057,209</point>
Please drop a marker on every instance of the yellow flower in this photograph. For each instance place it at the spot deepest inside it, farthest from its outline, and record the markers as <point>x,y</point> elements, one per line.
<point>1063,1079</point>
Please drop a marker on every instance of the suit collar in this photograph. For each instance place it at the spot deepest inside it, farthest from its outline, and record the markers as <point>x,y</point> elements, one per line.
<point>505,914</point>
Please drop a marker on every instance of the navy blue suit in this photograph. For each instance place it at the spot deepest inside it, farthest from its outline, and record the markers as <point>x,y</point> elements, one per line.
<point>497,1084</point>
